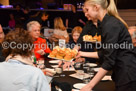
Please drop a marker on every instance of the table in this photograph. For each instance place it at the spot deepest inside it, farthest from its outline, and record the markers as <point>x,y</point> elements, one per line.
<point>101,86</point>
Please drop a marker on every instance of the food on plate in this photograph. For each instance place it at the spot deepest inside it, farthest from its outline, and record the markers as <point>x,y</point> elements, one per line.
<point>87,37</point>
<point>68,57</point>
<point>95,37</point>
<point>63,53</point>
<point>59,56</point>
<point>90,38</point>
<point>99,38</point>
<point>74,52</point>
<point>67,50</point>
<point>54,52</point>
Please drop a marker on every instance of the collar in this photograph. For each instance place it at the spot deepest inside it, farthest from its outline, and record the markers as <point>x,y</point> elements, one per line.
<point>24,60</point>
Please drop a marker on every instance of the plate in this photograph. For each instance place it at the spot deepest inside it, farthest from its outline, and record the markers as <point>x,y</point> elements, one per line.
<point>92,41</point>
<point>52,70</point>
<point>61,59</point>
<point>54,61</point>
<point>91,64</point>
<point>54,66</point>
<point>79,85</point>
<point>96,69</point>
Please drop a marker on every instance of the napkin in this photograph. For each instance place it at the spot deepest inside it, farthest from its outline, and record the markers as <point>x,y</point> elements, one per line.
<point>107,78</point>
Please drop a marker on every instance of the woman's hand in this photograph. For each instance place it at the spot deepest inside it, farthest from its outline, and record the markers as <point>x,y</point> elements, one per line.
<point>79,54</point>
<point>48,72</point>
<point>80,60</point>
<point>65,64</point>
<point>41,52</point>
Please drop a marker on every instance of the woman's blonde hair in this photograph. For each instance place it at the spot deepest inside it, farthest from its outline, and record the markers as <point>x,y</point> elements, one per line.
<point>77,29</point>
<point>58,24</point>
<point>31,24</point>
<point>110,6</point>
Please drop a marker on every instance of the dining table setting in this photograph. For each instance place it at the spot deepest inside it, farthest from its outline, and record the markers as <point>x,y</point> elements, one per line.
<point>77,76</point>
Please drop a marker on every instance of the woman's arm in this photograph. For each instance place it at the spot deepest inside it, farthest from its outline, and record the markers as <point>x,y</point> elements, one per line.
<point>101,73</point>
<point>87,54</point>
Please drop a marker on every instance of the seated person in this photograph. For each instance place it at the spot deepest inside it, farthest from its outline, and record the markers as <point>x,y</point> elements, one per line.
<point>40,45</point>
<point>60,32</point>
<point>43,19</point>
<point>75,35</point>
<point>2,35</point>
<point>11,22</point>
<point>132,31</point>
<point>18,72</point>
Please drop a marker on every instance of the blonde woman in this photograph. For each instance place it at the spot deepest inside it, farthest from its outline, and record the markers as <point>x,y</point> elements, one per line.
<point>60,31</point>
<point>113,31</point>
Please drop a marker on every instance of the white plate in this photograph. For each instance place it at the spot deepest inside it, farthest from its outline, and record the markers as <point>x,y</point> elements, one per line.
<point>61,59</point>
<point>79,85</point>
<point>91,64</point>
<point>54,61</point>
<point>54,66</point>
<point>92,41</point>
<point>52,70</point>
<point>96,69</point>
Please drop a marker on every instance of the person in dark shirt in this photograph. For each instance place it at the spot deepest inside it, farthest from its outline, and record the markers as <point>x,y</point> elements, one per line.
<point>121,60</point>
<point>89,29</point>
<point>18,14</point>
<point>74,18</point>
<point>26,14</point>
<point>43,19</point>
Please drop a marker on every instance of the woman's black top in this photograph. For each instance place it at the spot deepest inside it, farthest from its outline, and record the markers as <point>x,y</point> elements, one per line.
<point>88,29</point>
<point>122,60</point>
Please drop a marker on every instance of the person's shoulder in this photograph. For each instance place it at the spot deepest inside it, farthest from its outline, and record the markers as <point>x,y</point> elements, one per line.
<point>113,21</point>
<point>32,69</point>
<point>1,64</point>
